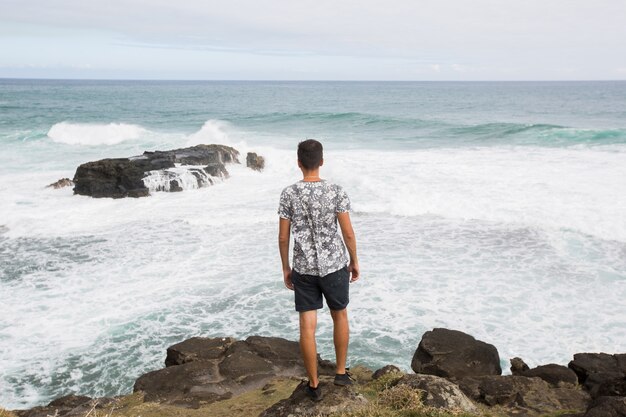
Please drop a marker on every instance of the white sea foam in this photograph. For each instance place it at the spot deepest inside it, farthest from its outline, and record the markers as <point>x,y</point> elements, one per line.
<point>506,243</point>
<point>94,134</point>
<point>160,180</point>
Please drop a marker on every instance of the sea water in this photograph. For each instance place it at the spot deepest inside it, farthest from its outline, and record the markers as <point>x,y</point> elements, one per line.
<point>498,209</point>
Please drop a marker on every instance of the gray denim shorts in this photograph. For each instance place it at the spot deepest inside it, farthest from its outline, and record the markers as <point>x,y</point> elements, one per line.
<point>335,287</point>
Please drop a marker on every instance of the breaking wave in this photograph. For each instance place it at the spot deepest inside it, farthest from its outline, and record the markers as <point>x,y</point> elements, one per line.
<point>94,134</point>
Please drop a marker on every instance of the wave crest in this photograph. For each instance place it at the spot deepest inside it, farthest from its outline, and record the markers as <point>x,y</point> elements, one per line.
<point>94,134</point>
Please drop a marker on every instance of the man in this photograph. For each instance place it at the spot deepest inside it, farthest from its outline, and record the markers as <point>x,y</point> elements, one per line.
<point>311,209</point>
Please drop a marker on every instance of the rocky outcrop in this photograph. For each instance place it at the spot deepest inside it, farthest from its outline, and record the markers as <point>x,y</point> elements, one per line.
<point>172,170</point>
<point>204,370</point>
<point>385,370</point>
<point>602,374</point>
<point>63,182</point>
<point>520,395</point>
<point>438,392</point>
<point>518,366</point>
<point>552,373</point>
<point>254,161</point>
<point>454,354</point>
<point>335,399</point>
<point>607,407</point>
<point>67,406</point>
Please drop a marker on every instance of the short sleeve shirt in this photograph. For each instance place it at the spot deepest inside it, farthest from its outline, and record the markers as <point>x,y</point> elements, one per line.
<point>312,208</point>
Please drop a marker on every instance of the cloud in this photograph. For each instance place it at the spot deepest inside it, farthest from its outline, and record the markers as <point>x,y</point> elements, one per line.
<point>447,36</point>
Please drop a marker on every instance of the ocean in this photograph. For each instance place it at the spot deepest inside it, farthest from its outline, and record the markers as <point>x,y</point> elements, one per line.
<point>495,208</point>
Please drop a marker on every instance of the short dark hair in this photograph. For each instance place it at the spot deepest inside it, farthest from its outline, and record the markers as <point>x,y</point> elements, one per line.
<point>310,153</point>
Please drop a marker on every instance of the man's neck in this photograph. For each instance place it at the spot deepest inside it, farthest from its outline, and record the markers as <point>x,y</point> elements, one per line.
<point>311,176</point>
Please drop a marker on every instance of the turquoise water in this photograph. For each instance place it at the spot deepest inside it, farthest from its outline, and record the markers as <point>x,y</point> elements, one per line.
<point>493,208</point>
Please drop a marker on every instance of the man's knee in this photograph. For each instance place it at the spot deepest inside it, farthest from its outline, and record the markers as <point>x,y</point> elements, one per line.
<point>308,322</point>
<point>339,314</point>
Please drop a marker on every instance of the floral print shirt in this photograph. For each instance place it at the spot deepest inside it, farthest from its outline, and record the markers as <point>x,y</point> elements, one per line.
<point>312,208</point>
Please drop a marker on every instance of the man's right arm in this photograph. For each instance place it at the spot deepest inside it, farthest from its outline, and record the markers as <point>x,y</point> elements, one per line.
<point>350,240</point>
<point>283,247</point>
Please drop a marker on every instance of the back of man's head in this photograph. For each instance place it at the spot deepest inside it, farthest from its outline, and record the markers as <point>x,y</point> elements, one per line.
<point>310,153</point>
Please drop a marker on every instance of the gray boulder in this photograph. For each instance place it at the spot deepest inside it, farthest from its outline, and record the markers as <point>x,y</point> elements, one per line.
<point>553,374</point>
<point>607,407</point>
<point>70,405</point>
<point>601,373</point>
<point>518,366</point>
<point>335,399</point>
<point>520,395</point>
<point>387,369</point>
<point>454,354</point>
<point>204,370</point>
<point>438,392</point>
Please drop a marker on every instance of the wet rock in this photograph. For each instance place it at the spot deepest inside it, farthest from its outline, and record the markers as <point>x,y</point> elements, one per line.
<point>454,354</point>
<point>159,170</point>
<point>335,399</point>
<point>388,369</point>
<point>518,366</point>
<point>602,374</point>
<point>254,161</point>
<point>520,395</point>
<point>63,182</point>
<point>438,392</point>
<point>610,406</point>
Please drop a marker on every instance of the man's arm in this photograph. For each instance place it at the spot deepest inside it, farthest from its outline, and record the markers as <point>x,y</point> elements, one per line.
<point>283,247</point>
<point>350,240</point>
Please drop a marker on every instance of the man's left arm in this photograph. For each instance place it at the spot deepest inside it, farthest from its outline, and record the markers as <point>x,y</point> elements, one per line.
<point>283,247</point>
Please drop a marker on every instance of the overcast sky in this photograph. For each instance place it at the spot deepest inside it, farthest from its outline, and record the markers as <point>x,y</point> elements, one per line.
<point>314,39</point>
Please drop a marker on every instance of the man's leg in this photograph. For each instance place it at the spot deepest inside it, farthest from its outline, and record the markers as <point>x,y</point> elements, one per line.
<point>341,337</point>
<point>308,323</point>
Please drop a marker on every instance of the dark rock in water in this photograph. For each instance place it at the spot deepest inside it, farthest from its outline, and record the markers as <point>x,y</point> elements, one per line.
<point>174,186</point>
<point>454,354</point>
<point>438,392</point>
<point>154,170</point>
<point>335,399</point>
<point>63,182</point>
<point>607,407</point>
<point>254,161</point>
<point>521,395</point>
<point>388,369</point>
<point>602,374</point>
<point>205,370</point>
<point>518,366</point>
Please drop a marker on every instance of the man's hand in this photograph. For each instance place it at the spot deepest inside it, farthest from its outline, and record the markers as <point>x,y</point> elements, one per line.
<point>354,271</point>
<point>287,278</point>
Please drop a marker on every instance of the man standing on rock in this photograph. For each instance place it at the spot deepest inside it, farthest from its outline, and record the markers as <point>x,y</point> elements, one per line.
<point>311,209</point>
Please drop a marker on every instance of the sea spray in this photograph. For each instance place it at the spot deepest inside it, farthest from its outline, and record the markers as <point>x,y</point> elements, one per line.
<point>94,134</point>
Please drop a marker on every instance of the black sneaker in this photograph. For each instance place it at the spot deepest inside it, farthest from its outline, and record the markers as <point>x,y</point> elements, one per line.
<point>314,394</point>
<point>343,379</point>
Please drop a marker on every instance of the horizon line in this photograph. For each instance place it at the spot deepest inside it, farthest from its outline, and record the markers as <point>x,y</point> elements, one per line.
<point>298,80</point>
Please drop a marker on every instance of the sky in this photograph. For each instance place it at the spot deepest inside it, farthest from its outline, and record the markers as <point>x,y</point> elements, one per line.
<point>314,39</point>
